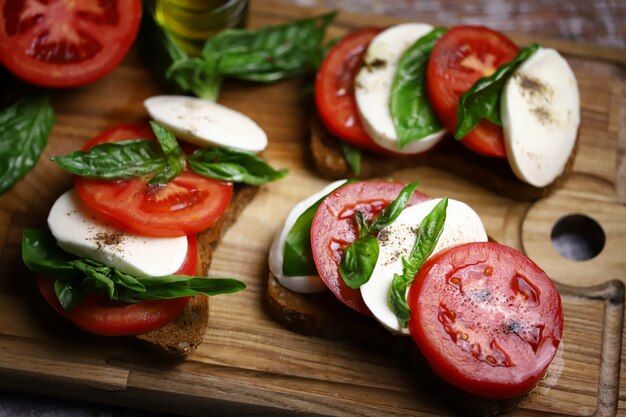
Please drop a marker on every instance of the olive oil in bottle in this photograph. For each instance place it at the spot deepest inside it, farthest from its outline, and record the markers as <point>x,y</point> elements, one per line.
<point>191,22</point>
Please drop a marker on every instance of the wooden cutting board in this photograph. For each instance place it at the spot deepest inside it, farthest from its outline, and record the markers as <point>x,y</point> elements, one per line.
<point>250,364</point>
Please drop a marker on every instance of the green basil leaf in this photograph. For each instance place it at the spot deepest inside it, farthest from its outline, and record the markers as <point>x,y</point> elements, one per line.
<point>196,76</point>
<point>358,261</point>
<point>362,227</point>
<point>127,281</point>
<point>297,256</point>
<point>68,294</point>
<point>353,157</point>
<point>115,160</point>
<point>172,169</point>
<point>166,139</point>
<point>41,253</point>
<point>482,100</point>
<point>282,50</point>
<point>393,210</point>
<point>427,237</point>
<point>234,165</point>
<point>177,286</point>
<point>412,114</point>
<point>98,276</point>
<point>24,130</point>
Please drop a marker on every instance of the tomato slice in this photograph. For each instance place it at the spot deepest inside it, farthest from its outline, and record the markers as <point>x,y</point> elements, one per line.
<point>333,229</point>
<point>64,43</point>
<point>334,89</point>
<point>486,318</point>
<point>98,315</point>
<point>187,205</point>
<point>462,56</point>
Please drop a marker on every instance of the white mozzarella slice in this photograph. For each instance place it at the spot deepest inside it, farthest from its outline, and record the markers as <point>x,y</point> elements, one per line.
<point>540,110</point>
<point>81,232</point>
<point>300,284</point>
<point>373,87</point>
<point>396,241</point>
<point>206,123</point>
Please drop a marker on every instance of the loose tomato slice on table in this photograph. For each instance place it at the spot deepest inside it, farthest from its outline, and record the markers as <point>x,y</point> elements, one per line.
<point>188,204</point>
<point>65,43</point>
<point>462,56</point>
<point>334,89</point>
<point>486,318</point>
<point>98,315</point>
<point>334,228</point>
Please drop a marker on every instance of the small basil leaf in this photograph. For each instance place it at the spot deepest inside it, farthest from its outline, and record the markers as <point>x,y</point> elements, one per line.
<point>128,281</point>
<point>40,253</point>
<point>482,100</point>
<point>115,160</point>
<point>412,114</point>
<point>427,237</point>
<point>98,277</point>
<point>361,224</point>
<point>196,76</point>
<point>297,256</point>
<point>172,169</point>
<point>229,164</point>
<point>183,286</point>
<point>353,157</point>
<point>24,130</point>
<point>166,139</point>
<point>358,261</point>
<point>393,210</point>
<point>68,294</point>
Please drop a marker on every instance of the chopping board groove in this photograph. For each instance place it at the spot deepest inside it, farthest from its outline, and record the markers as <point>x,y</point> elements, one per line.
<point>249,364</point>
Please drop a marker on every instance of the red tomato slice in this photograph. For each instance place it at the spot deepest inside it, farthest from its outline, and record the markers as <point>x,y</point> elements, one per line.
<point>334,228</point>
<point>334,89</point>
<point>462,56</point>
<point>63,43</point>
<point>486,318</point>
<point>99,315</point>
<point>187,205</point>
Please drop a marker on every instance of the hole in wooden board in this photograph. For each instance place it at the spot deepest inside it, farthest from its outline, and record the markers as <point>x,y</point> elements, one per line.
<point>578,237</point>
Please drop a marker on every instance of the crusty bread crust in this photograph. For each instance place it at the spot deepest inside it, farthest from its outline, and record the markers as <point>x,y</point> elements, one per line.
<point>184,334</point>
<point>494,174</point>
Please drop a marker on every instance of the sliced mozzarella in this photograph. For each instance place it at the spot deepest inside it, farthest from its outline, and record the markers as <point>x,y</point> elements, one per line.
<point>396,241</point>
<point>79,231</point>
<point>540,110</point>
<point>206,123</point>
<point>300,284</point>
<point>373,86</point>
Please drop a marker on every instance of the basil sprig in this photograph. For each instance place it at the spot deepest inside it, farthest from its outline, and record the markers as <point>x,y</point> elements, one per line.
<point>482,100</point>
<point>175,157</point>
<point>359,258</point>
<point>24,130</point>
<point>166,160</point>
<point>412,114</point>
<point>427,236</point>
<point>76,277</point>
<point>297,255</point>
<point>265,55</point>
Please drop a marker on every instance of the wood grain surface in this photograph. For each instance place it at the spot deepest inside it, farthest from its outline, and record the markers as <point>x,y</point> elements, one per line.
<point>248,364</point>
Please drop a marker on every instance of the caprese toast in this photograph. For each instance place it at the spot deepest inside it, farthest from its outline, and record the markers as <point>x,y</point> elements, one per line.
<point>381,263</point>
<point>127,250</point>
<point>393,98</point>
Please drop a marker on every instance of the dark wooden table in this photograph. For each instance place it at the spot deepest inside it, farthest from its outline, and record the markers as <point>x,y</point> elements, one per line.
<point>600,22</point>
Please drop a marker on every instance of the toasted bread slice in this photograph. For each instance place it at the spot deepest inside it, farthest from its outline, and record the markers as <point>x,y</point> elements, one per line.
<point>181,336</point>
<point>494,174</point>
